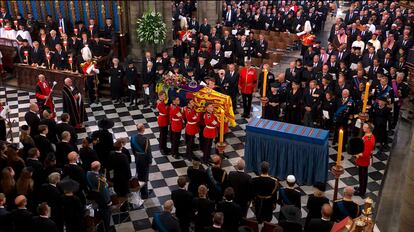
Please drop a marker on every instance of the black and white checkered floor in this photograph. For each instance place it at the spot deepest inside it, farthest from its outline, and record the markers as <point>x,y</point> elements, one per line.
<point>165,169</point>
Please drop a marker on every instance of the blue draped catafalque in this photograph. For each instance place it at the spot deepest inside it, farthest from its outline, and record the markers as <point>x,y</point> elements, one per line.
<point>290,149</point>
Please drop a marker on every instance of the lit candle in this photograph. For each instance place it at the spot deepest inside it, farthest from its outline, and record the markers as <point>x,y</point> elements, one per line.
<point>70,63</point>
<point>222,126</point>
<point>48,60</point>
<point>26,54</point>
<point>340,141</point>
<point>364,107</point>
<point>65,44</point>
<point>91,28</point>
<point>264,83</point>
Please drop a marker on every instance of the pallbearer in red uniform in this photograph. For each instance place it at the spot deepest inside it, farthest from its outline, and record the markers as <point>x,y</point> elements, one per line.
<point>210,131</point>
<point>177,124</point>
<point>363,159</point>
<point>163,122</point>
<point>44,96</point>
<point>191,128</point>
<point>247,85</point>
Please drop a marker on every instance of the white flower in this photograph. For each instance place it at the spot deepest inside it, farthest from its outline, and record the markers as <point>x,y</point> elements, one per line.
<point>153,13</point>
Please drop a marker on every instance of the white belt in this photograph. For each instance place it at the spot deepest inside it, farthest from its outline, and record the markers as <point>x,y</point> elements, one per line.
<point>211,127</point>
<point>192,123</point>
<point>161,114</point>
<point>176,119</point>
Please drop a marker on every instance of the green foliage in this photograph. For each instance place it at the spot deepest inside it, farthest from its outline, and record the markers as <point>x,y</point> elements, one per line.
<point>151,29</point>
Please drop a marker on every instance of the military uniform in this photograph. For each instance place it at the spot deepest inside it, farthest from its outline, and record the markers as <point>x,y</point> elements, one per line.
<point>209,133</point>
<point>402,93</point>
<point>344,110</point>
<point>163,122</point>
<point>381,116</point>
<point>343,208</point>
<point>264,197</point>
<point>176,119</point>
<point>191,129</point>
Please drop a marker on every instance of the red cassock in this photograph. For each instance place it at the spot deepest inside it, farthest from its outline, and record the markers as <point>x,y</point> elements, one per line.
<point>176,118</point>
<point>185,36</point>
<point>307,39</point>
<point>369,146</point>
<point>192,119</point>
<point>163,114</point>
<point>210,131</point>
<point>42,92</point>
<point>247,80</point>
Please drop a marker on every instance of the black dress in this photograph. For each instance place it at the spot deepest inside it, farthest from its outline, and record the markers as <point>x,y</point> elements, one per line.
<point>122,172</point>
<point>117,76</point>
<point>293,107</point>
<point>104,145</point>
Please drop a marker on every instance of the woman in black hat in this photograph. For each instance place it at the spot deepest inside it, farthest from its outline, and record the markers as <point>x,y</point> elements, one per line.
<point>103,142</point>
<point>118,162</point>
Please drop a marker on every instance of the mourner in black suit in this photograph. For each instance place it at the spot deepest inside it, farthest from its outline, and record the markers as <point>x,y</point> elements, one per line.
<point>218,220</point>
<point>63,148</point>
<point>51,194</point>
<point>32,119</point>
<point>241,184</point>
<point>324,223</point>
<point>204,208</point>
<point>42,222</point>
<point>311,101</point>
<point>21,218</point>
<point>118,162</point>
<point>43,143</point>
<point>65,126</point>
<point>196,176</point>
<point>228,84</point>
<point>182,199</point>
<point>231,211</point>
<point>5,224</point>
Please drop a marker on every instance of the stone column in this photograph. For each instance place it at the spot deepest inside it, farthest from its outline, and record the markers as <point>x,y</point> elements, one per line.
<point>135,10</point>
<point>406,222</point>
<point>210,10</point>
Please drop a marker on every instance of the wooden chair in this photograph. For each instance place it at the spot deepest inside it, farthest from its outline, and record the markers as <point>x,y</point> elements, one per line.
<point>274,33</point>
<point>270,227</point>
<point>269,62</point>
<point>227,29</point>
<point>264,32</point>
<point>252,224</point>
<point>256,32</point>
